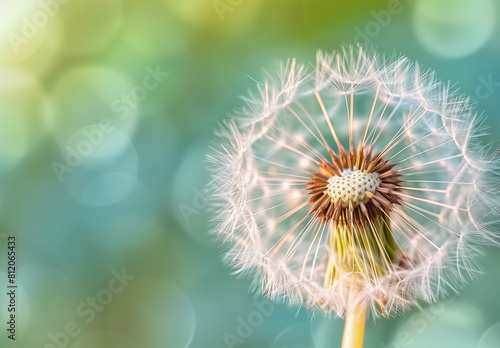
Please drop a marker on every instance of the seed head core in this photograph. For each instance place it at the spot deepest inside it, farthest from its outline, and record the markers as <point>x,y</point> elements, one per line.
<point>354,189</point>
<point>351,186</point>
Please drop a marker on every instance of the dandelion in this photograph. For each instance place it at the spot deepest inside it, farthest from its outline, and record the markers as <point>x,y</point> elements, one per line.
<point>361,187</point>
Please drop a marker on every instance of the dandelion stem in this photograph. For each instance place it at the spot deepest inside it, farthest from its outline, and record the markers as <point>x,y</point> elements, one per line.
<point>354,328</point>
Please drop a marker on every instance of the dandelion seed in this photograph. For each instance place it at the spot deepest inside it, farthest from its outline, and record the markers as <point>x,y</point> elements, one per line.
<point>379,195</point>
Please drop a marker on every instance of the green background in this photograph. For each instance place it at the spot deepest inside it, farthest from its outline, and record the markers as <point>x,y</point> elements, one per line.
<point>102,163</point>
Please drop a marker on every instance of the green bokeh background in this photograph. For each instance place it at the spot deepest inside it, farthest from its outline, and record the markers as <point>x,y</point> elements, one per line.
<point>132,201</point>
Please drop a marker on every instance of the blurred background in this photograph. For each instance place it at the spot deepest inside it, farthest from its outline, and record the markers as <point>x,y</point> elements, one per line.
<point>107,109</point>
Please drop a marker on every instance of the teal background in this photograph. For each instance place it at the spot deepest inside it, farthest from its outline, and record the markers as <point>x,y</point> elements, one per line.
<point>72,72</point>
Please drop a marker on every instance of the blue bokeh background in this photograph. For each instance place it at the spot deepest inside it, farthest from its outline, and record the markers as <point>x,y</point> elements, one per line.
<point>107,109</point>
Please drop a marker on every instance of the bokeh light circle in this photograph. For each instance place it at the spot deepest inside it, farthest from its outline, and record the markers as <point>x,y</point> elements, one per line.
<point>298,336</point>
<point>491,338</point>
<point>88,95</point>
<point>100,172</point>
<point>102,142</point>
<point>22,29</point>
<point>453,28</point>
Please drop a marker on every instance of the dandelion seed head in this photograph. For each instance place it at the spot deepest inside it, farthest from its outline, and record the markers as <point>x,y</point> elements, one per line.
<point>363,180</point>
